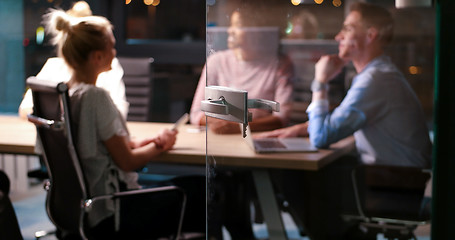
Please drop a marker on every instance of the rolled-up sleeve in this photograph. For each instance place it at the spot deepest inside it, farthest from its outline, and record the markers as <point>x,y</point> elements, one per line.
<point>326,128</point>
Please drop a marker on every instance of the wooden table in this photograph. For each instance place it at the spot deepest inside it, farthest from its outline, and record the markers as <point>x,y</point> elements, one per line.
<point>17,136</point>
<point>231,150</point>
<point>193,145</point>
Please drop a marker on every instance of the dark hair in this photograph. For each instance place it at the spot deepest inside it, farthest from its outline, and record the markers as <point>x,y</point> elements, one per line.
<point>377,17</point>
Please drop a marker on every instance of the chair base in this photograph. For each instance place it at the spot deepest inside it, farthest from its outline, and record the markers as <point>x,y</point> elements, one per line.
<point>192,236</point>
<point>390,231</point>
<point>391,228</point>
<point>42,234</point>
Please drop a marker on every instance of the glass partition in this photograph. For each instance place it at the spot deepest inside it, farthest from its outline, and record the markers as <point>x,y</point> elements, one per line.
<point>244,39</point>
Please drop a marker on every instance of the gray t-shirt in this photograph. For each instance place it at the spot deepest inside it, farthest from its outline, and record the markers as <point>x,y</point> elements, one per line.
<point>96,119</point>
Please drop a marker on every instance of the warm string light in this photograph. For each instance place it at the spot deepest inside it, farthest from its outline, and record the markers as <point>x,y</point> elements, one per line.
<point>146,2</point>
<point>296,2</point>
<point>414,70</point>
<point>335,3</point>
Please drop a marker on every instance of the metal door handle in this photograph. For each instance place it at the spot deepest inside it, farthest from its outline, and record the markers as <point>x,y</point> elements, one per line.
<point>215,106</point>
<point>232,105</point>
<point>264,104</point>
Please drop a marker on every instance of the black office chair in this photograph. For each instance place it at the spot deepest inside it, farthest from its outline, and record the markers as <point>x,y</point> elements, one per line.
<point>40,173</point>
<point>138,87</point>
<point>390,200</point>
<point>69,200</point>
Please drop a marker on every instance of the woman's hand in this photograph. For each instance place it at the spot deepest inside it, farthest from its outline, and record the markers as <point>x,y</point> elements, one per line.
<point>165,140</point>
<point>298,130</point>
<point>130,155</point>
<point>137,144</point>
<point>222,126</point>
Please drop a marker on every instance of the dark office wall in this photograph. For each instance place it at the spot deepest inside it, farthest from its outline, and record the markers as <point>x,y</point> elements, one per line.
<point>164,51</point>
<point>443,212</point>
<point>11,55</point>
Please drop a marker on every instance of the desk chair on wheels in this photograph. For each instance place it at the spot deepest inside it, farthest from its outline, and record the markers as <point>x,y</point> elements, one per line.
<point>68,199</point>
<point>390,200</point>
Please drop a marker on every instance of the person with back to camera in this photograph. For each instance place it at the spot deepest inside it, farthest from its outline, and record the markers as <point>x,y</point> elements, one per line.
<point>252,63</point>
<point>380,109</point>
<point>55,69</point>
<point>108,155</point>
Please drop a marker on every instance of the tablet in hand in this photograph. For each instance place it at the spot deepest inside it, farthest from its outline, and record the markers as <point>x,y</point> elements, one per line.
<point>182,120</point>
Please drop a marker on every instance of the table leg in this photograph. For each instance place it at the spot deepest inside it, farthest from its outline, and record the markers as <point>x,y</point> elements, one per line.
<point>269,206</point>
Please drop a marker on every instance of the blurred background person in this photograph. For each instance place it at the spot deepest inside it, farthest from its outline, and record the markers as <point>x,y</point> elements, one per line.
<point>252,63</point>
<point>55,69</point>
<point>380,110</point>
<point>303,25</point>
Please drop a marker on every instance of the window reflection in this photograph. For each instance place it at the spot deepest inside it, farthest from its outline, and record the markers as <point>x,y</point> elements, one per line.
<point>310,30</point>
<point>311,26</point>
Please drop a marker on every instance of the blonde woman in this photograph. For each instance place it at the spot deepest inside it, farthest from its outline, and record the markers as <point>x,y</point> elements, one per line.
<point>109,157</point>
<point>55,69</point>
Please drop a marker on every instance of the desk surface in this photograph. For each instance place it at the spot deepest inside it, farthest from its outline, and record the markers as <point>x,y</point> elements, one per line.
<point>17,136</point>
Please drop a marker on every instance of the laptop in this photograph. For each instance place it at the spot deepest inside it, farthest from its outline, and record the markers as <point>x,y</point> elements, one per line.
<point>269,145</point>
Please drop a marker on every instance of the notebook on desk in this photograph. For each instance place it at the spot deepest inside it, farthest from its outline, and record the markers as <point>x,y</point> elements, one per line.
<point>269,145</point>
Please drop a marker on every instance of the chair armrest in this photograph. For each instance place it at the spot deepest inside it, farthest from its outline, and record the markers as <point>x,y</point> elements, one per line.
<point>41,122</point>
<point>179,205</point>
<point>145,191</point>
<point>88,202</point>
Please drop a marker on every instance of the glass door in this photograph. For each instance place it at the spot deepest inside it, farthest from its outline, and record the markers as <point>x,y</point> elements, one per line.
<point>269,49</point>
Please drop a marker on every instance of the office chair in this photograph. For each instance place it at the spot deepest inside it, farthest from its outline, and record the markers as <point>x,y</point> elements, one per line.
<point>40,173</point>
<point>138,87</point>
<point>390,200</point>
<point>68,199</point>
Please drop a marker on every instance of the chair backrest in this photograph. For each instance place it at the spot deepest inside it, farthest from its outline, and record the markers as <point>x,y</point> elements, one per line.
<point>138,87</point>
<point>392,192</point>
<point>51,115</point>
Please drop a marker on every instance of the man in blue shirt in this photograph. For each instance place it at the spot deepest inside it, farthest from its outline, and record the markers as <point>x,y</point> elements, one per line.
<point>380,110</point>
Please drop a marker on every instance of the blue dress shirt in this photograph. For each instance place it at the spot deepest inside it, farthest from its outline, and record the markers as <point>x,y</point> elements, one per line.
<point>382,112</point>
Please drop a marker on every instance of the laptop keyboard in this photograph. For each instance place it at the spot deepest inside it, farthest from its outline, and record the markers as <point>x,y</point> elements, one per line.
<point>270,144</point>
